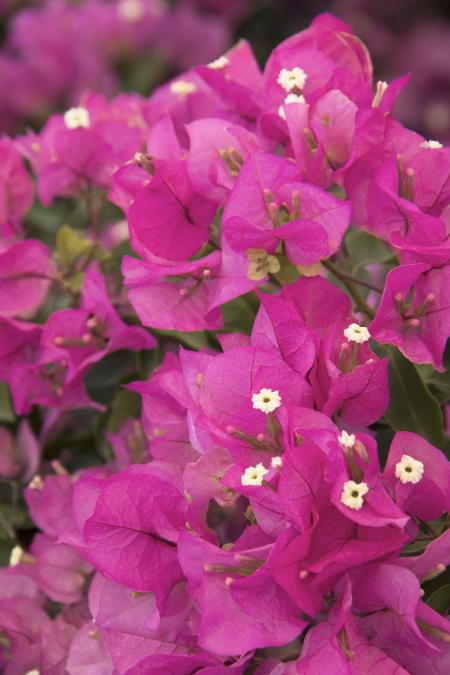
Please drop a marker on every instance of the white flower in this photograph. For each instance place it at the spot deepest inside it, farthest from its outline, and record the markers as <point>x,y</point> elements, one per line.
<point>254,475</point>
<point>266,400</point>
<point>431,145</point>
<point>182,88</point>
<point>33,671</point>
<point>77,118</point>
<point>131,10</point>
<point>353,493</point>
<point>292,79</point>
<point>409,470</point>
<point>356,333</point>
<point>276,462</point>
<point>15,557</point>
<point>290,98</point>
<point>346,440</point>
<point>219,64</point>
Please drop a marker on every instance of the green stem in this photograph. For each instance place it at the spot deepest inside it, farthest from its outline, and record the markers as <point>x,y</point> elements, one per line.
<point>349,283</point>
<point>353,279</point>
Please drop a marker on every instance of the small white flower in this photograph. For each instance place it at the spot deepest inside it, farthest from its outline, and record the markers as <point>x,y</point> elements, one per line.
<point>266,400</point>
<point>353,493</point>
<point>290,98</point>
<point>276,462</point>
<point>33,671</point>
<point>409,470</point>
<point>77,118</point>
<point>346,440</point>
<point>356,333</point>
<point>219,64</point>
<point>292,79</point>
<point>182,88</point>
<point>254,475</point>
<point>15,557</point>
<point>431,145</point>
<point>131,10</point>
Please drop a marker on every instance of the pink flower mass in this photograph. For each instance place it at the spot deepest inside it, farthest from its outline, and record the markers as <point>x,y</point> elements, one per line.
<point>224,310</point>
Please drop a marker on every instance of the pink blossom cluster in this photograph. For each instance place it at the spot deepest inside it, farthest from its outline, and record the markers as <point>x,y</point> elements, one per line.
<point>289,252</point>
<point>408,36</point>
<point>56,49</point>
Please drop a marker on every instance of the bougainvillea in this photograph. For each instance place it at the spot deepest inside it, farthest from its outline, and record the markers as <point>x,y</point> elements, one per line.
<point>51,51</point>
<point>222,351</point>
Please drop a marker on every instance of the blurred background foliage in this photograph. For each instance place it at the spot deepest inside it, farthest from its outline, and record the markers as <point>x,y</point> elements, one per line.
<point>116,45</point>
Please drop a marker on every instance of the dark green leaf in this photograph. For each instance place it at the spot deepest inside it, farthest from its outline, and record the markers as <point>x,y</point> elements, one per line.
<point>364,249</point>
<point>239,315</point>
<point>126,404</point>
<point>106,375</point>
<point>412,407</point>
<point>440,599</point>
<point>6,410</point>
<point>5,552</point>
<point>415,547</point>
<point>113,263</point>
<point>193,340</point>
<point>441,383</point>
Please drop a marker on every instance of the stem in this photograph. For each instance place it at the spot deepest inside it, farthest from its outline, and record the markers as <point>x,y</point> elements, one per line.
<point>349,277</point>
<point>46,277</point>
<point>94,202</point>
<point>348,280</point>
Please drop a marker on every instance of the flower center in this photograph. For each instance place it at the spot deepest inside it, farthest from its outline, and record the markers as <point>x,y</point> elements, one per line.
<point>266,400</point>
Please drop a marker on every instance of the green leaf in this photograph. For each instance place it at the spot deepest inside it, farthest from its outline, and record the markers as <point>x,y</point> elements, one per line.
<point>440,382</point>
<point>239,315</point>
<point>440,599</point>
<point>364,249</point>
<point>70,246</point>
<point>126,404</point>
<point>14,519</point>
<point>106,375</point>
<point>113,263</point>
<point>288,272</point>
<point>337,191</point>
<point>6,410</point>
<point>192,340</point>
<point>412,406</point>
<point>5,552</point>
<point>415,547</point>
<point>74,282</point>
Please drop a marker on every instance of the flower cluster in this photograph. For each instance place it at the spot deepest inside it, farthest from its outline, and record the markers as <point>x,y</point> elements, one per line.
<point>57,49</point>
<point>243,482</point>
